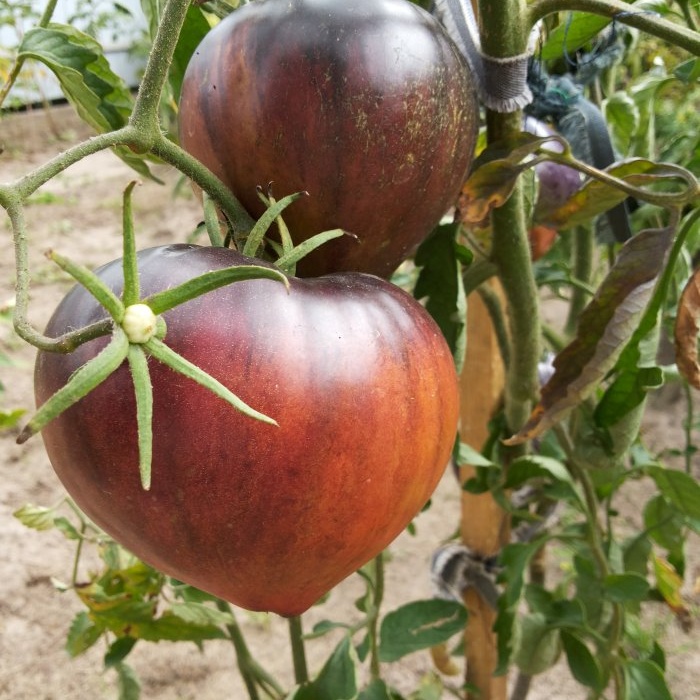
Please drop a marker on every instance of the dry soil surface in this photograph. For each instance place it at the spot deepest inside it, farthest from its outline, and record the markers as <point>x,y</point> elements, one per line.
<point>78,213</point>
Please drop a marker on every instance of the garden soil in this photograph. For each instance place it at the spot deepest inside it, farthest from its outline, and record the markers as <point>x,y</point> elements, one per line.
<point>78,214</point>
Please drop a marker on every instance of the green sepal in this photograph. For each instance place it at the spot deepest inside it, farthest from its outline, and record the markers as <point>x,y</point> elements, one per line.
<point>138,364</point>
<point>288,261</point>
<point>208,282</point>
<point>176,362</point>
<point>80,383</point>
<point>258,231</point>
<point>104,295</point>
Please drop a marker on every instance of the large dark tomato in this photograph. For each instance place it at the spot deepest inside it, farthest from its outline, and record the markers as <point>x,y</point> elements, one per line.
<point>365,104</point>
<point>354,371</point>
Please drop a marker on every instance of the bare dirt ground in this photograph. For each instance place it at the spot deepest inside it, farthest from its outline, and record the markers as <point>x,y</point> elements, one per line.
<point>79,214</point>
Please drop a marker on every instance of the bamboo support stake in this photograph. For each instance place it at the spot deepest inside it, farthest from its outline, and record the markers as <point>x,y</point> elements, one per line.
<point>484,527</point>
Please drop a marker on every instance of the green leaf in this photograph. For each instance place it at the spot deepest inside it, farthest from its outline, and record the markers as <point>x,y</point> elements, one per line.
<point>419,625</point>
<point>128,683</point>
<point>539,645</point>
<point>170,627</point>
<point>624,588</point>
<point>644,679</point>
<point>118,650</point>
<point>69,530</point>
<point>9,419</point>
<point>201,614</point>
<point>100,96</point>
<point>515,559</point>
<point>679,488</point>
<point>336,680</point>
<point>688,71</point>
<point>83,633</point>
<point>533,466</point>
<point>584,666</point>
<point>574,32</point>
<point>439,283</point>
<point>628,391</point>
<point>559,613</point>
<point>193,31</point>
<point>664,524</point>
<point>622,116</point>
<point>465,454</point>
<point>376,690</point>
<point>36,517</point>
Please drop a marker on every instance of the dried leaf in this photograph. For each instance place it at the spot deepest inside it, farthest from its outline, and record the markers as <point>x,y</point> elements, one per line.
<point>604,328</point>
<point>494,176</point>
<point>687,330</point>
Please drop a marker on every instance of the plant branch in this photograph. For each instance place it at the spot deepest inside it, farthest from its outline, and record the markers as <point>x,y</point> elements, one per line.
<point>296,636</point>
<point>511,248</point>
<point>171,153</point>
<point>619,11</point>
<point>146,109</point>
<point>18,64</point>
<point>373,617</point>
<point>252,673</point>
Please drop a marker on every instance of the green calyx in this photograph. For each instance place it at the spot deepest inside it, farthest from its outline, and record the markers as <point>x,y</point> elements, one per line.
<point>137,332</point>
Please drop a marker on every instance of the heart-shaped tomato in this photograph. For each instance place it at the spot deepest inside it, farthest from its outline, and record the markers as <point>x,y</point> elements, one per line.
<point>354,371</point>
<point>366,105</point>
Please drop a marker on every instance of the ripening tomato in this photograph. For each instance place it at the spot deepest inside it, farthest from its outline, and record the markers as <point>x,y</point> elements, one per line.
<point>368,106</point>
<point>354,371</point>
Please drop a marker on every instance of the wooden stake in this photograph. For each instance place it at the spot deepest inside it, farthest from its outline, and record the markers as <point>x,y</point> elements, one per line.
<point>484,527</point>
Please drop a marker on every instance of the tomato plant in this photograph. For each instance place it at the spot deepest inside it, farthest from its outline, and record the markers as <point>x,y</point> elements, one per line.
<point>353,372</point>
<point>372,110</point>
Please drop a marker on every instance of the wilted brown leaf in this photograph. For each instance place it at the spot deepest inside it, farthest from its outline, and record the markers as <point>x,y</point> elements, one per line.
<point>687,329</point>
<point>604,328</point>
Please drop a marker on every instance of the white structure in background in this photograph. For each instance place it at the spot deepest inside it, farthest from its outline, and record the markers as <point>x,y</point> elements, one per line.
<point>40,84</point>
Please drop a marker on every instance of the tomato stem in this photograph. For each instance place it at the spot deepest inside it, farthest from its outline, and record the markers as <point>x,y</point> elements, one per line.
<point>131,293</point>
<point>211,221</point>
<point>296,636</point>
<point>104,295</point>
<point>648,22</point>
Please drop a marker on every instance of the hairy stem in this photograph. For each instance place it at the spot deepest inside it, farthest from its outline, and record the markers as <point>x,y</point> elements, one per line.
<point>171,153</point>
<point>504,34</point>
<point>253,674</point>
<point>648,22</point>
<point>145,113</point>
